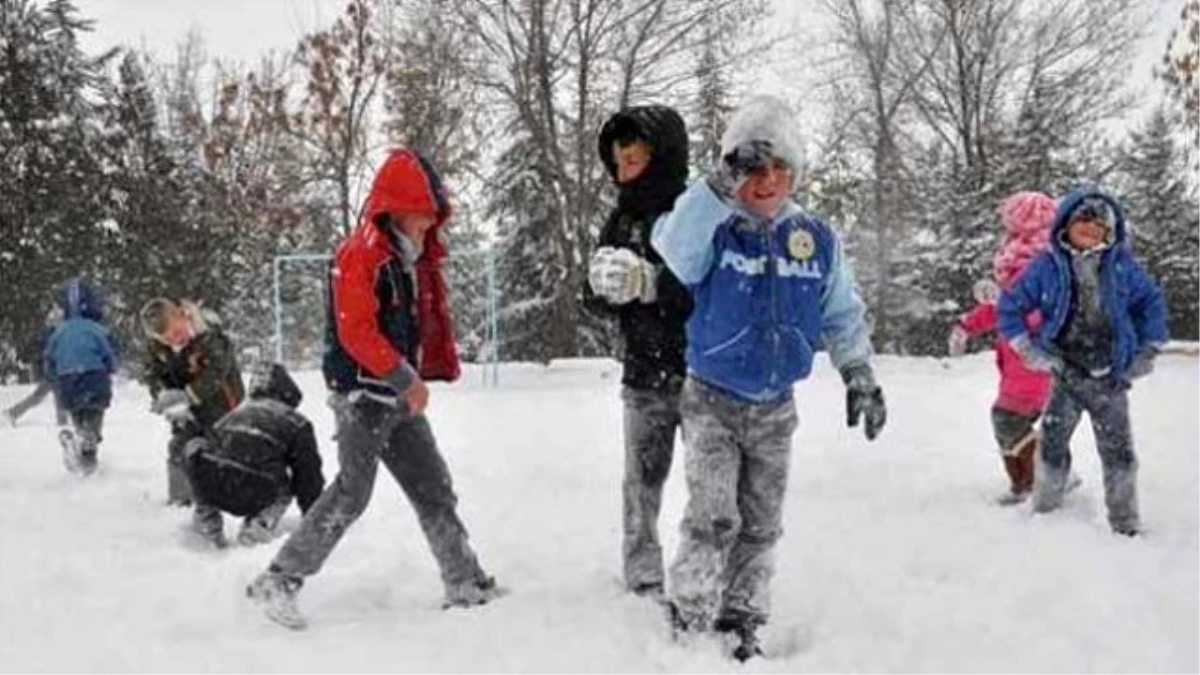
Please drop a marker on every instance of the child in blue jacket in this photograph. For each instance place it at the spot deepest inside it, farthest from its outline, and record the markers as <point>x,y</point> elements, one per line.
<point>80,360</point>
<point>770,287</point>
<point>1104,322</point>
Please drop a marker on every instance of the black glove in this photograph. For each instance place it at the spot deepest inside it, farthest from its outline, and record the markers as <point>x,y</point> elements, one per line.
<point>735,166</point>
<point>1143,363</point>
<point>864,398</point>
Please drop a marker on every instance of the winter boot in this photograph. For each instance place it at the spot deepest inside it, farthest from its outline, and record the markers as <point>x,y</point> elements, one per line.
<point>89,448</point>
<point>650,591</point>
<point>88,461</point>
<point>744,627</point>
<point>472,593</point>
<point>1018,464</point>
<point>679,624</point>
<point>275,593</point>
<point>254,531</point>
<point>1017,493</point>
<point>70,449</point>
<point>261,527</point>
<point>208,523</point>
<point>1126,528</point>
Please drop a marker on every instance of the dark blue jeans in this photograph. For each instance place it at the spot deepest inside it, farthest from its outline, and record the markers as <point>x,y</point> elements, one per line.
<point>1107,405</point>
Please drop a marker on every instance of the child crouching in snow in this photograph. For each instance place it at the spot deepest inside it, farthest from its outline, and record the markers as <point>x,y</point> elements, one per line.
<point>1104,321</point>
<point>1023,391</point>
<point>770,284</point>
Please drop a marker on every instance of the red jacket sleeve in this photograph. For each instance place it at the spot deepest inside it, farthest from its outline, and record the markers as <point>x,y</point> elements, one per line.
<point>980,320</point>
<point>356,308</point>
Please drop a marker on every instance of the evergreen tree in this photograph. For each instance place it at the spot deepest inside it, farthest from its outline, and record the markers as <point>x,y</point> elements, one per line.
<point>1162,213</point>
<point>52,215</point>
<point>1181,66</point>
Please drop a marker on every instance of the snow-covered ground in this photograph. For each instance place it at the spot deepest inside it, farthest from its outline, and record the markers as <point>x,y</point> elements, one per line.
<point>894,557</point>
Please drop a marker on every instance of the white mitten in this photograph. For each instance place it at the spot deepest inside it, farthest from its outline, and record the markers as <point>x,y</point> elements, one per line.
<point>621,276</point>
<point>958,341</point>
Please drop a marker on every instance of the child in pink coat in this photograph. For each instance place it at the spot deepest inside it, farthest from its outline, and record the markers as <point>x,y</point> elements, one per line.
<point>1023,392</point>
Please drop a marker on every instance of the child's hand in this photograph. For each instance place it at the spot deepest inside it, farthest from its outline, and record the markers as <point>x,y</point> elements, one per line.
<point>735,166</point>
<point>864,398</point>
<point>412,395</point>
<point>621,276</point>
<point>958,341</point>
<point>1143,363</point>
<point>416,399</point>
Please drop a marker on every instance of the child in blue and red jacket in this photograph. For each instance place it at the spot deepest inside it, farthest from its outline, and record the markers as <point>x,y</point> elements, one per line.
<point>389,332</point>
<point>1104,322</point>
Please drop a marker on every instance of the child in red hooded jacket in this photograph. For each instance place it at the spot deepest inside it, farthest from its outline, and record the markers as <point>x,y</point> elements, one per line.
<point>389,332</point>
<point>1023,392</point>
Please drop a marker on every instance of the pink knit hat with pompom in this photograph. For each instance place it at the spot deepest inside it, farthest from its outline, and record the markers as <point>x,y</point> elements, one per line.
<point>1026,217</point>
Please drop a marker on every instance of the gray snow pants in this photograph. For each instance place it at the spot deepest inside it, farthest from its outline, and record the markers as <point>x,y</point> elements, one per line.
<point>370,432</point>
<point>89,426</point>
<point>1107,405</point>
<point>651,417</point>
<point>737,467</point>
<point>179,488</point>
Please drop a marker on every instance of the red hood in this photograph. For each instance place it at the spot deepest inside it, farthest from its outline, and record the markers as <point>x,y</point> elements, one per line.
<point>408,183</point>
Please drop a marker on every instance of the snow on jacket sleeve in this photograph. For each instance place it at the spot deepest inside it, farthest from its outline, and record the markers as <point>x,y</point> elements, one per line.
<point>980,320</point>
<point>1021,298</point>
<point>684,237</point>
<point>1147,307</point>
<point>844,329</point>
<point>357,307</point>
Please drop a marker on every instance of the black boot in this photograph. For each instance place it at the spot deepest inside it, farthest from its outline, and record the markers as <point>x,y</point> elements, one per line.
<point>745,627</point>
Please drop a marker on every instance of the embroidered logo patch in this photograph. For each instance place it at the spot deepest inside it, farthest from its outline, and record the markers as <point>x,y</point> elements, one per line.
<point>801,244</point>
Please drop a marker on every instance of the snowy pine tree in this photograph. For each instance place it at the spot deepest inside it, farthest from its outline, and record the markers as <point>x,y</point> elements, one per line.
<point>1162,211</point>
<point>52,214</point>
<point>1181,66</point>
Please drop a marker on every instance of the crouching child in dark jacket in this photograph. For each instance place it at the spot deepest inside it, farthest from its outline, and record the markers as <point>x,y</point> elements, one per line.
<point>254,461</point>
<point>1104,322</point>
<point>80,360</point>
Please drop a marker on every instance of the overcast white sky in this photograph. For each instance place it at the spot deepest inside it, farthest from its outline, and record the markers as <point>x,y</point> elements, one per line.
<point>243,30</point>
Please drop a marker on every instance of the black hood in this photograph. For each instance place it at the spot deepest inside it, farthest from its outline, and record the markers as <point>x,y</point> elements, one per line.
<point>665,178</point>
<point>276,385</point>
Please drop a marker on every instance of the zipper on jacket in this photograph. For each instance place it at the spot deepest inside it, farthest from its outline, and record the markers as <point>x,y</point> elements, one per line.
<point>773,377</point>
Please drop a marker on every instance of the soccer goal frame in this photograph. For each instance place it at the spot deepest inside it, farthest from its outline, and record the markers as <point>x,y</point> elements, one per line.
<point>491,349</point>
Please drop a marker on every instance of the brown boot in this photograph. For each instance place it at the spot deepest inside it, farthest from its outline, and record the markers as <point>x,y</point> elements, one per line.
<point>1025,468</point>
<point>1018,463</point>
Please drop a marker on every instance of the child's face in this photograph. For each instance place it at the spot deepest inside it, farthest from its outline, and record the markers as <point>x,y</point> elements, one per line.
<point>766,188</point>
<point>1085,234</point>
<point>631,160</point>
<point>179,329</point>
<point>415,225</point>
